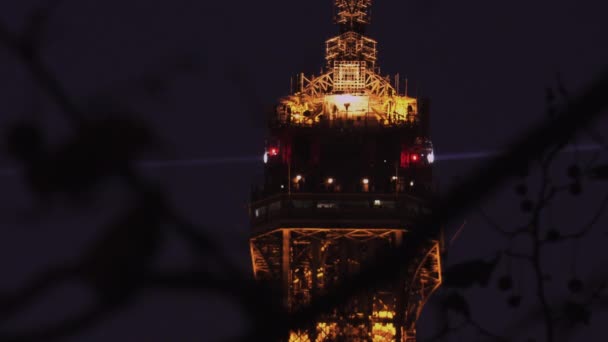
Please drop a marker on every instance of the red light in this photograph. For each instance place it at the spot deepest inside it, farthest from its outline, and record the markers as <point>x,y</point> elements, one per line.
<point>273,151</point>
<point>404,159</point>
<point>414,157</point>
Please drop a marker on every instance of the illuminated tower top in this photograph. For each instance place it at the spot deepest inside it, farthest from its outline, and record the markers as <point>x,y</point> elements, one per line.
<point>352,15</point>
<point>351,45</point>
<point>350,90</point>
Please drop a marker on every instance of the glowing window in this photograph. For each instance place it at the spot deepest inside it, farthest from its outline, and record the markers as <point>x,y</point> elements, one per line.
<point>327,205</point>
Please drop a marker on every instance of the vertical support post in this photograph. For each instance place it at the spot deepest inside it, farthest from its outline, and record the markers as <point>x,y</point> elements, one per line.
<point>401,300</point>
<point>397,83</point>
<point>344,271</point>
<point>398,238</point>
<point>396,179</point>
<point>315,250</point>
<point>286,264</point>
<point>253,258</point>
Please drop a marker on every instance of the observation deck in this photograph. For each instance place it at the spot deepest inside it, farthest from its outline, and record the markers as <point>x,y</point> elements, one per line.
<point>336,210</point>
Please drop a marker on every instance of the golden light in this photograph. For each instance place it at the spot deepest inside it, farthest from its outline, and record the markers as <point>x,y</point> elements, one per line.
<point>298,337</point>
<point>365,181</point>
<point>330,180</point>
<point>383,332</point>
<point>353,104</point>
<point>385,314</point>
<point>298,178</point>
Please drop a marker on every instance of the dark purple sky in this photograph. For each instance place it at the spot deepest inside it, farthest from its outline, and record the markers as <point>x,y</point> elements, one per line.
<point>484,64</point>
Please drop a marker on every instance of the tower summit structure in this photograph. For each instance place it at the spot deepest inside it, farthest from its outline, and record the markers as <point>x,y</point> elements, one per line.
<point>348,164</point>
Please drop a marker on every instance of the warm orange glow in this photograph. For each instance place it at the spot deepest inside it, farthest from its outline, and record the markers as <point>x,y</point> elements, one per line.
<point>383,332</point>
<point>365,181</point>
<point>298,337</point>
<point>384,314</point>
<point>326,331</point>
<point>347,105</point>
<point>372,102</point>
<point>350,87</point>
<point>330,180</point>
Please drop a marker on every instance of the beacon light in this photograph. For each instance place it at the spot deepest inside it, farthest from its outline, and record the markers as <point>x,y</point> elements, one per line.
<point>430,157</point>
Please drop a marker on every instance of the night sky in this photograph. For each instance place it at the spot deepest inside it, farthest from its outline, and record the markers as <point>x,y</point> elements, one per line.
<point>201,72</point>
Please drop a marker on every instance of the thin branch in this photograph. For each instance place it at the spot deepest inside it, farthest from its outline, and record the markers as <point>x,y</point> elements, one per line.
<point>32,60</point>
<point>497,227</point>
<point>447,330</point>
<point>545,194</point>
<point>485,332</point>
<point>587,227</point>
<point>11,303</point>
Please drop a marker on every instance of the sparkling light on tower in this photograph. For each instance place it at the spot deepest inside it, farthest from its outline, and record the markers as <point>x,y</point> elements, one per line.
<point>347,171</point>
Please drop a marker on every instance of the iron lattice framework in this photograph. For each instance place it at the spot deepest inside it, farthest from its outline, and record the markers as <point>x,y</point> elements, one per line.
<point>352,15</point>
<point>308,261</point>
<point>347,171</point>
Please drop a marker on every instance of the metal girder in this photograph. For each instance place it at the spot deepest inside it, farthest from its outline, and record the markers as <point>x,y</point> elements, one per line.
<point>425,280</point>
<point>321,85</point>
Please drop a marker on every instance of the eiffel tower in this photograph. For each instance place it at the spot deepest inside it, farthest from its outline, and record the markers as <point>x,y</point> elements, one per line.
<point>348,168</point>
